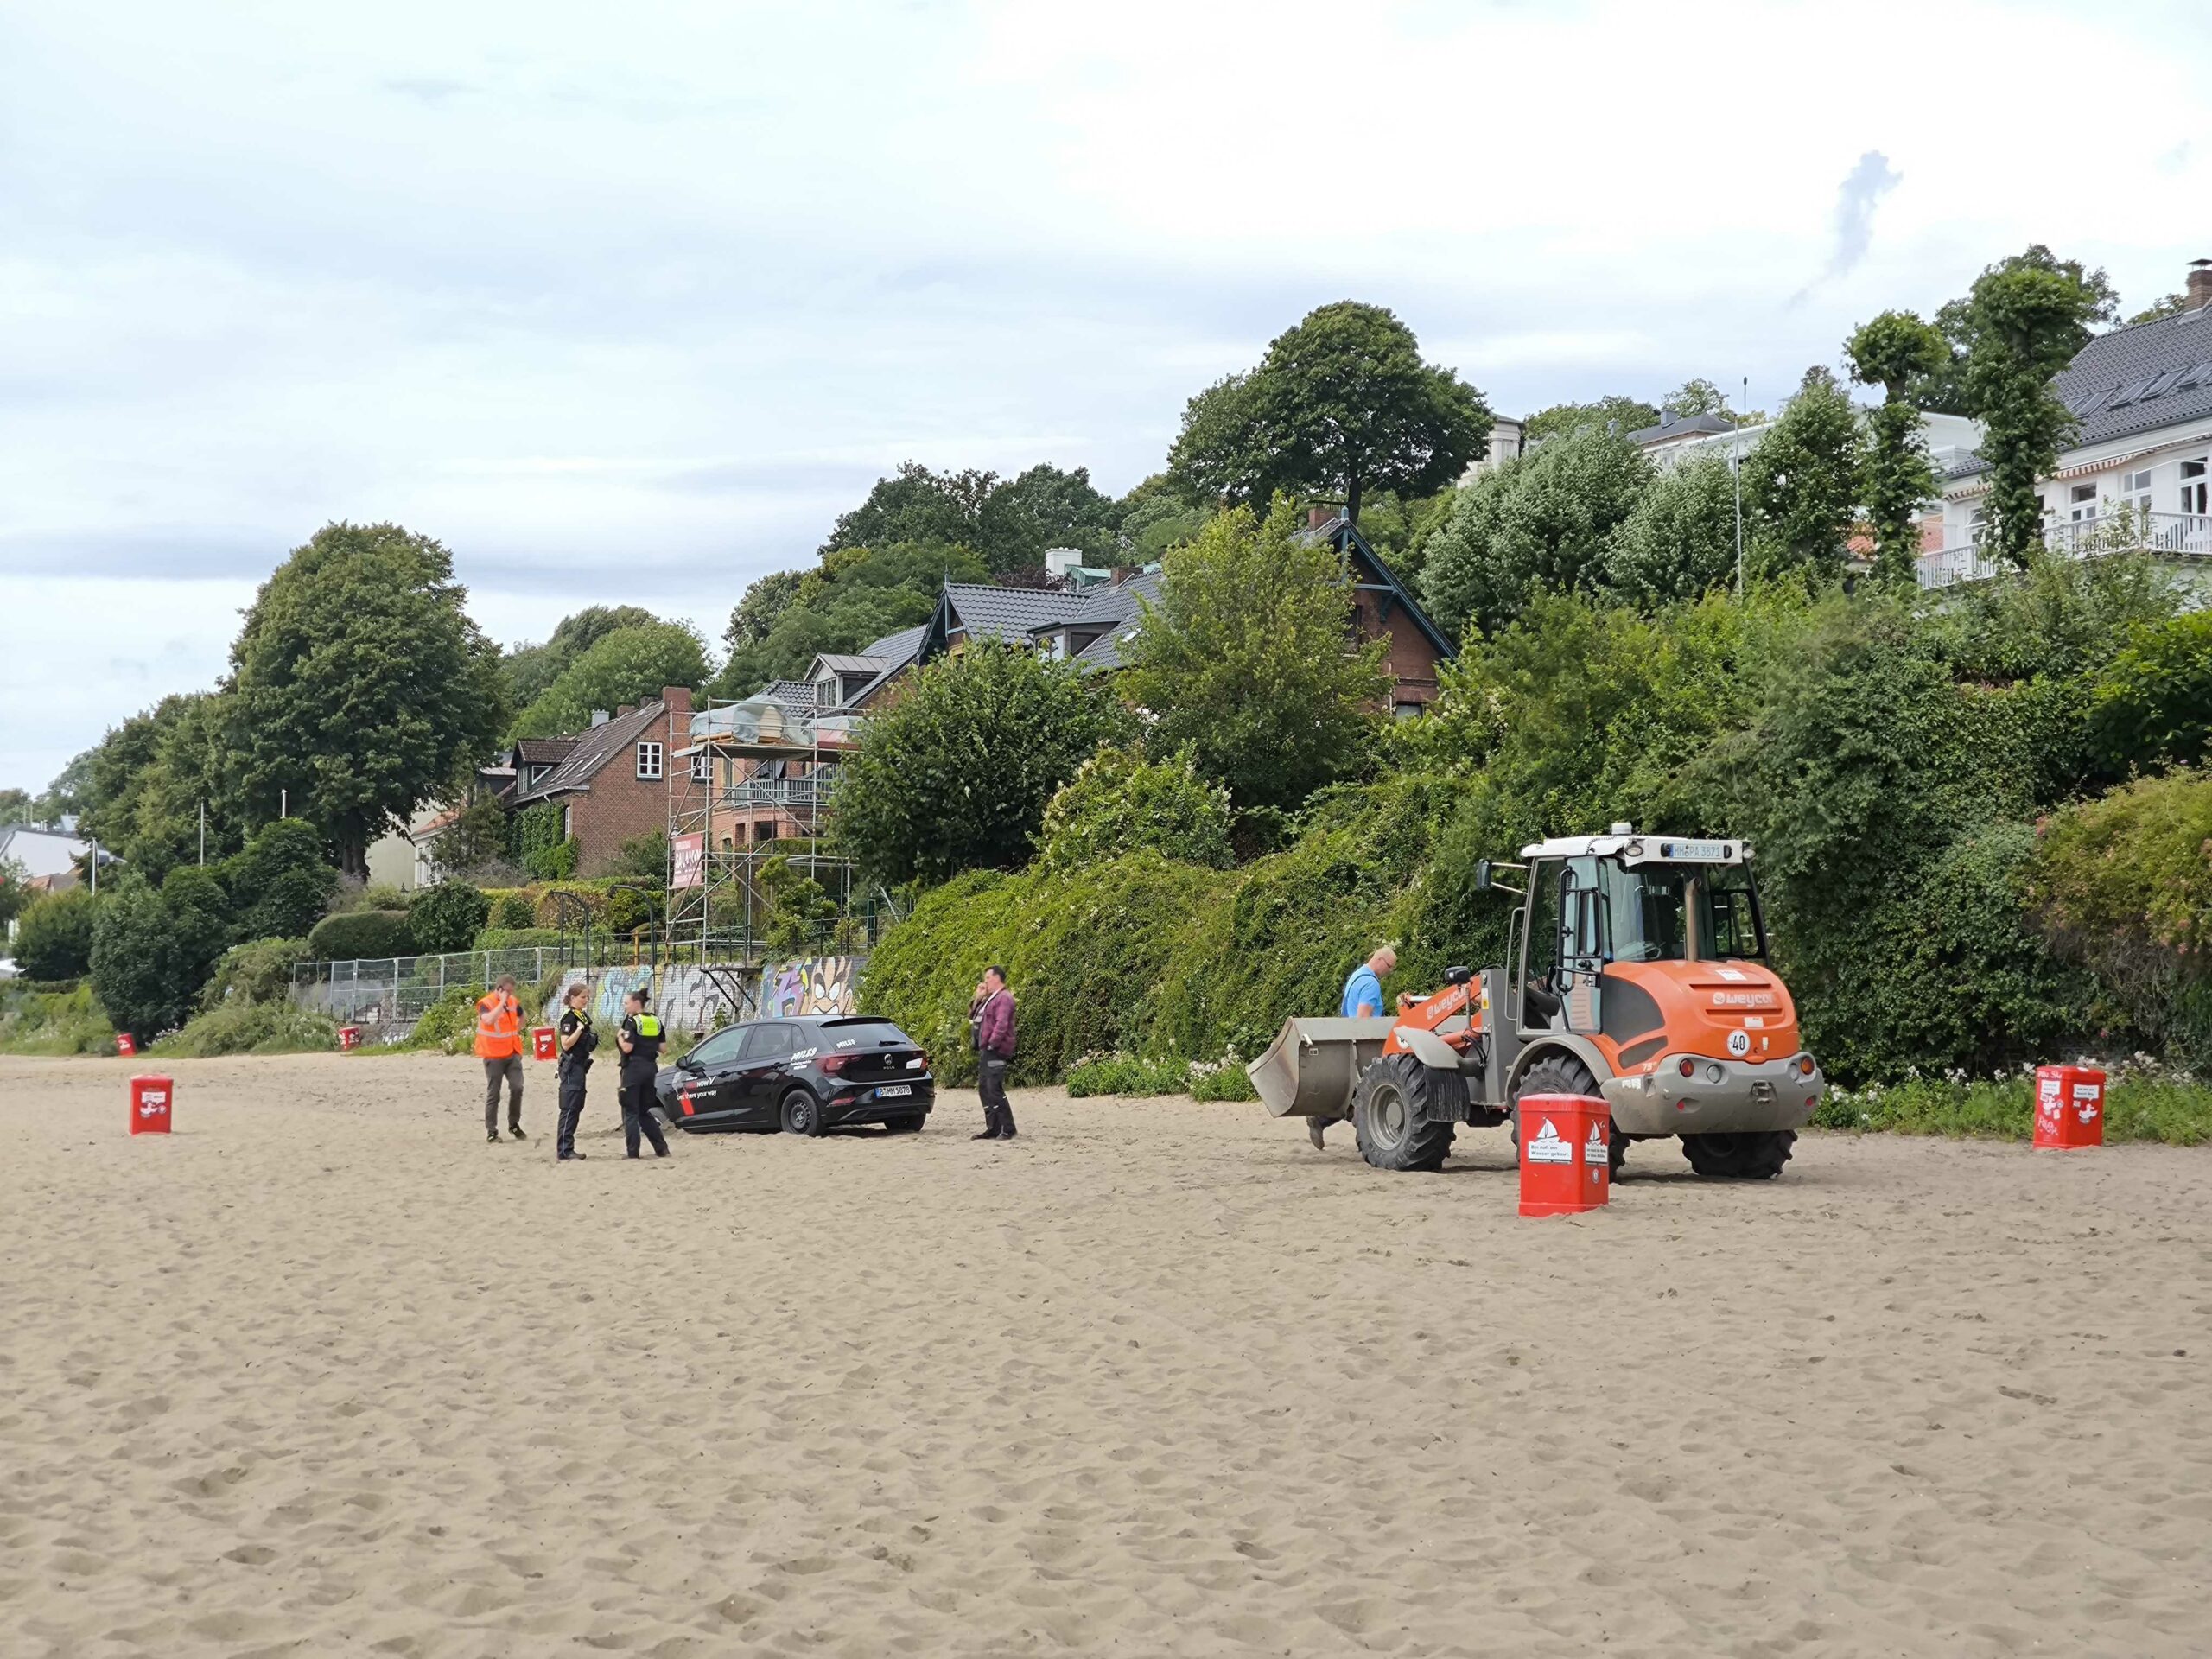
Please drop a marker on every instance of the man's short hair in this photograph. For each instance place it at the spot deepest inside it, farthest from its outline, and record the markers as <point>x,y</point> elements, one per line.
<point>995,968</point>
<point>506,983</point>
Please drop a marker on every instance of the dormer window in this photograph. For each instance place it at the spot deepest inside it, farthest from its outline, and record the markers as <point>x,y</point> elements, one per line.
<point>649,761</point>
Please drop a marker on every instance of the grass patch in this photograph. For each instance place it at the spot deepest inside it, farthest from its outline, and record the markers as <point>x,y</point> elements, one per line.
<point>1131,1074</point>
<point>56,1020</point>
<point>2143,1102</point>
<point>242,1027</point>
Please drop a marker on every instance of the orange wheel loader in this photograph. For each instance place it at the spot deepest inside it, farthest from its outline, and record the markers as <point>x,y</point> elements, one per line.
<point>1635,970</point>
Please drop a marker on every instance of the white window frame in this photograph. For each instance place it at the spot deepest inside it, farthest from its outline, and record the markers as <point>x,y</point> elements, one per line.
<point>2196,487</point>
<point>2082,503</point>
<point>651,761</point>
<point>699,762</point>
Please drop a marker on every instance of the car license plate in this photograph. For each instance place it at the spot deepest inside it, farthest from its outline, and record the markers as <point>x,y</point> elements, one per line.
<point>890,1091</point>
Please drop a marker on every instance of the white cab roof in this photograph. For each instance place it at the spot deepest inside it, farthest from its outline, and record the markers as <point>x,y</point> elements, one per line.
<point>1634,849</point>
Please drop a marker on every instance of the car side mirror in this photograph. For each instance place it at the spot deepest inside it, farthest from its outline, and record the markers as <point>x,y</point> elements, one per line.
<point>1481,876</point>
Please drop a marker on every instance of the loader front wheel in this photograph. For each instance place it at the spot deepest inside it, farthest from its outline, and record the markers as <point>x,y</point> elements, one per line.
<point>1757,1157</point>
<point>1402,1113</point>
<point>1562,1074</point>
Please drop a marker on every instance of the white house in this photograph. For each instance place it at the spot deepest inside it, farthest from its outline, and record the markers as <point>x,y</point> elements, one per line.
<point>2139,471</point>
<point>44,854</point>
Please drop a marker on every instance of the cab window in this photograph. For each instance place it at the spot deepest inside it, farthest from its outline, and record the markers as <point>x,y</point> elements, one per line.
<point>1730,922</point>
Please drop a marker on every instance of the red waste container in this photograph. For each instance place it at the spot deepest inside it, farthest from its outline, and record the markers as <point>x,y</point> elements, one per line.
<point>149,1105</point>
<point>541,1043</point>
<point>126,1045</point>
<point>2069,1106</point>
<point>349,1036</point>
<point>1566,1164</point>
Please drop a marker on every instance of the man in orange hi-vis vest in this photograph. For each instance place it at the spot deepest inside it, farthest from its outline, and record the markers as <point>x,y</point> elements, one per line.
<point>499,1044</point>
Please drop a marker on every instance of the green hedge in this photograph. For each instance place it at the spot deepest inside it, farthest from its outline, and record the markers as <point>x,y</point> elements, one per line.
<point>55,1020</point>
<point>238,1027</point>
<point>358,933</point>
<point>2139,1105</point>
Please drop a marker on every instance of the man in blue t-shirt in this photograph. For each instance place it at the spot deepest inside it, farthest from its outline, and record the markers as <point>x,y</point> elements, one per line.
<point>1363,999</point>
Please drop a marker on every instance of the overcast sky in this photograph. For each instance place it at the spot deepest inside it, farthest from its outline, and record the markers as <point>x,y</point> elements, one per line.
<point>628,302</point>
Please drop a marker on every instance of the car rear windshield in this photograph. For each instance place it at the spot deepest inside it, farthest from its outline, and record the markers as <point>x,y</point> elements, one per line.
<point>882,1033</point>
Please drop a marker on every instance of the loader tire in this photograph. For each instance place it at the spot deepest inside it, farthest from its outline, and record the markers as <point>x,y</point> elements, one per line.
<point>1758,1157</point>
<point>1402,1112</point>
<point>1562,1074</point>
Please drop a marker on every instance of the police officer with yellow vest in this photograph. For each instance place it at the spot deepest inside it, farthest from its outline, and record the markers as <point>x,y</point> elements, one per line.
<point>499,1044</point>
<point>640,1039</point>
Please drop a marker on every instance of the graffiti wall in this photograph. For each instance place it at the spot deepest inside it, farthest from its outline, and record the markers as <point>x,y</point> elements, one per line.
<point>809,985</point>
<point>688,999</point>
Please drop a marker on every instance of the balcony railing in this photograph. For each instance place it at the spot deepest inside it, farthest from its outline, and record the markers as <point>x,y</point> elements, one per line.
<point>2177,535</point>
<point>799,797</point>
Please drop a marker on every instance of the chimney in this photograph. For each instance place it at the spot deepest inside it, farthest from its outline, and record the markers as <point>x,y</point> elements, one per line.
<point>622,708</point>
<point>679,699</point>
<point>2200,283</point>
<point>600,716</point>
<point>1317,516</point>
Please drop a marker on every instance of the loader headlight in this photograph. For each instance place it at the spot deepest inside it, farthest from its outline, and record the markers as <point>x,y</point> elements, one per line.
<point>1713,1074</point>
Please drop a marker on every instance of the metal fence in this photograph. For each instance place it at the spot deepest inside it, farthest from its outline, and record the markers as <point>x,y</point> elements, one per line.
<point>393,991</point>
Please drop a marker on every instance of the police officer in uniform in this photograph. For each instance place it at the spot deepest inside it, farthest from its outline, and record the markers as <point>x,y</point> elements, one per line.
<point>641,1039</point>
<point>576,1039</point>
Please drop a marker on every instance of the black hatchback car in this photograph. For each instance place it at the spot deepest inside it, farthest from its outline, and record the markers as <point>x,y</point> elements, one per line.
<point>801,1076</point>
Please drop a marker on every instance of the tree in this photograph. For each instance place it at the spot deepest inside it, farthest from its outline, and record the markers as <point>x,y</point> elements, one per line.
<point>858,596</point>
<point>1801,482</point>
<point>2169,305</point>
<point>1678,540</point>
<point>2023,321</point>
<point>15,895</point>
<point>481,833</point>
<point>630,665</point>
<point>915,505</point>
<point>1544,520</point>
<point>1341,404</point>
<point>15,806</point>
<point>149,958</point>
<point>65,795</point>
<point>1693,398</point>
<point>956,775</point>
<point>1946,389</point>
<point>757,611</point>
<point>1896,350</point>
<point>1155,516</point>
<point>1248,661</point>
<point>447,916</point>
<point>1045,507</point>
<point>358,686</point>
<point>1612,414</point>
<point>53,934</point>
<point>1121,803</point>
<point>531,669</point>
<point>2152,702</point>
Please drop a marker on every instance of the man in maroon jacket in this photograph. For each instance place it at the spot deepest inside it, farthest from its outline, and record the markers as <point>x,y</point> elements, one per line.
<point>994,1049</point>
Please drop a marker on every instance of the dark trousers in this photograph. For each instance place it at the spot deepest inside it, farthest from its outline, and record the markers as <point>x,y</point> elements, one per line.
<point>637,1117</point>
<point>572,1108</point>
<point>990,1083</point>
<point>511,1068</point>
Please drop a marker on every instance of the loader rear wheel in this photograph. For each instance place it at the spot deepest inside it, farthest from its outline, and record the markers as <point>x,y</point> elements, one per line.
<point>1758,1157</point>
<point>1562,1074</point>
<point>1402,1113</point>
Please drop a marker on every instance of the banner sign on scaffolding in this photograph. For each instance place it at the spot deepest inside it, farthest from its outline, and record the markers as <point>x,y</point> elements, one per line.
<point>689,854</point>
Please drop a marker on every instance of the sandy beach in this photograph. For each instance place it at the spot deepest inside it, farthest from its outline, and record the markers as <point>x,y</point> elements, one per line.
<point>323,1373</point>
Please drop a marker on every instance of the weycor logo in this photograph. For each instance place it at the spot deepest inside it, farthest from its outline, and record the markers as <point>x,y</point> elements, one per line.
<point>1743,999</point>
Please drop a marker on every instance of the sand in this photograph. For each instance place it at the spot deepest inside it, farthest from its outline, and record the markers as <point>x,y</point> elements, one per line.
<point>323,1373</point>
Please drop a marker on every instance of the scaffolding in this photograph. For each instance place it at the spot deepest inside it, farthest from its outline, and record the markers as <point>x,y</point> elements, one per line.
<point>745,765</point>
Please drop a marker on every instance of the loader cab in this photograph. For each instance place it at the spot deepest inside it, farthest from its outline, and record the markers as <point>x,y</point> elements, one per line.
<point>1592,902</point>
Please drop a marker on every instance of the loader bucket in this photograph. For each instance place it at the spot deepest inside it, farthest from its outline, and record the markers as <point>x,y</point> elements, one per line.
<point>1310,1068</point>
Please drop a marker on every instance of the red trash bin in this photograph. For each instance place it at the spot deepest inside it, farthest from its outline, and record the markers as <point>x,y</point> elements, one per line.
<point>541,1043</point>
<point>2069,1106</point>
<point>349,1036</point>
<point>1566,1165</point>
<point>150,1100</point>
<point>126,1045</point>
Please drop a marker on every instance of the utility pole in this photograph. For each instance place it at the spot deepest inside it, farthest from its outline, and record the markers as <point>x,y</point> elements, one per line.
<point>203,828</point>
<point>284,795</point>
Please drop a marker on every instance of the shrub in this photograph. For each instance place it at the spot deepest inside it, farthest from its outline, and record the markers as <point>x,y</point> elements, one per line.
<point>2142,1103</point>
<point>514,910</point>
<point>260,970</point>
<point>280,883</point>
<point>1125,1074</point>
<point>2153,701</point>
<point>539,846</point>
<point>59,1022</point>
<point>150,958</point>
<point>355,933</point>
<point>243,1028</point>
<point>446,917</point>
<point>516,939</point>
<point>54,936</point>
<point>1120,802</point>
<point>449,1025</point>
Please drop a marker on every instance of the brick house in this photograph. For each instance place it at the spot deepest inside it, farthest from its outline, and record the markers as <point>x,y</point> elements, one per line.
<point>610,781</point>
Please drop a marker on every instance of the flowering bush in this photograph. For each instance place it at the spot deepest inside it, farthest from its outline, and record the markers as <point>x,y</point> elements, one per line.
<point>2145,1100</point>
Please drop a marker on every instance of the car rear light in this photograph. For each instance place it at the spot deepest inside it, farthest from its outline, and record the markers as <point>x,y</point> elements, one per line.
<point>834,1064</point>
<point>1804,1066</point>
<point>1688,1068</point>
